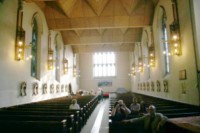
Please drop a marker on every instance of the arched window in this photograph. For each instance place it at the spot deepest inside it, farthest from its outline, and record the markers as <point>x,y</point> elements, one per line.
<point>165,44</point>
<point>57,63</point>
<point>57,59</point>
<point>34,49</point>
<point>146,52</point>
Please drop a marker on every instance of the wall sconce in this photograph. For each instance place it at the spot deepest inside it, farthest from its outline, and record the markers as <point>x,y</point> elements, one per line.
<point>20,34</point>
<point>133,70</point>
<point>175,30</point>
<point>50,59</point>
<point>76,73</point>
<point>20,45</point>
<point>65,66</point>
<point>140,64</point>
<point>151,57</point>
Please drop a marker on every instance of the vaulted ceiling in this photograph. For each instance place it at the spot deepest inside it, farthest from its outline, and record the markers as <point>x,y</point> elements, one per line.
<point>98,25</point>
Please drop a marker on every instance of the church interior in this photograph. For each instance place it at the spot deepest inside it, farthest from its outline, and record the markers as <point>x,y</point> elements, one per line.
<point>98,52</point>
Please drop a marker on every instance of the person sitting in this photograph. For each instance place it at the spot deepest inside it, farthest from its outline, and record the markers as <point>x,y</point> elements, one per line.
<point>135,107</point>
<point>119,111</point>
<point>142,105</point>
<point>152,122</point>
<point>74,105</point>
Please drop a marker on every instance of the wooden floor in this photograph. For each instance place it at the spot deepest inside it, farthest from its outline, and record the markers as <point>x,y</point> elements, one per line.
<point>98,121</point>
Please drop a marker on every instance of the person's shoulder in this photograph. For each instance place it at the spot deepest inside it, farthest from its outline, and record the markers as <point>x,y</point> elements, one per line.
<point>159,114</point>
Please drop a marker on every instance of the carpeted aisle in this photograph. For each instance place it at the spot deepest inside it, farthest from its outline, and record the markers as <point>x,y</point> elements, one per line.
<point>98,121</point>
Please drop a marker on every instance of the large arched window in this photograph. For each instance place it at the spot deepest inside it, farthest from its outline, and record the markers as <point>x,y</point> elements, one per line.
<point>57,58</point>
<point>57,68</point>
<point>165,44</point>
<point>34,49</point>
<point>146,54</point>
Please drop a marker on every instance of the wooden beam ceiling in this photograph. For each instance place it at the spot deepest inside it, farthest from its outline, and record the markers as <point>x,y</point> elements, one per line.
<point>90,24</point>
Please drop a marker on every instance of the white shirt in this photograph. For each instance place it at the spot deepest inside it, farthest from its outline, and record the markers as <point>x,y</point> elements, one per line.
<point>74,106</point>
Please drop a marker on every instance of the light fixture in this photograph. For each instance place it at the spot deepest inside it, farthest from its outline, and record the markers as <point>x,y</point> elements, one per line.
<point>50,54</point>
<point>65,66</point>
<point>20,35</point>
<point>140,64</point>
<point>50,59</point>
<point>65,63</point>
<point>133,70</point>
<point>151,52</point>
<point>76,72</point>
<point>151,57</point>
<point>175,30</point>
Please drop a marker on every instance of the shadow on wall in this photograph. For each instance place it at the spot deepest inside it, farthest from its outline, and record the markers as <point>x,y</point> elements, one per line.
<point>121,90</point>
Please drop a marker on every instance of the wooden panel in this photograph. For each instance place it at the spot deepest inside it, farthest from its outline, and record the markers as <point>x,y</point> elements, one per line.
<point>106,21</point>
<point>121,21</point>
<point>67,5</point>
<point>90,25</point>
<point>130,5</point>
<point>98,5</point>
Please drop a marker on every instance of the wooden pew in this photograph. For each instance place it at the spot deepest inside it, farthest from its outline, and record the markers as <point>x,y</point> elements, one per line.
<point>41,116</point>
<point>13,126</point>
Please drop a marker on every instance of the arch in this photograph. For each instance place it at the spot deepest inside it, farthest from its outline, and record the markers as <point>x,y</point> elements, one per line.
<point>164,45</point>
<point>37,16</point>
<point>37,30</point>
<point>146,54</point>
<point>58,47</point>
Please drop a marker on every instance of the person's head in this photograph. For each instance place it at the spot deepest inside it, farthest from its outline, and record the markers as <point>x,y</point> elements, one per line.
<point>135,100</point>
<point>152,110</point>
<point>120,102</point>
<point>74,101</point>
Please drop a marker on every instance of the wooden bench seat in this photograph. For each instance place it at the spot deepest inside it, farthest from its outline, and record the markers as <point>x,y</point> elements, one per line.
<point>13,126</point>
<point>46,116</point>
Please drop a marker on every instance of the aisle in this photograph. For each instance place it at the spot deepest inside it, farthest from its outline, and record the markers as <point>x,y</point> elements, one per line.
<point>98,121</point>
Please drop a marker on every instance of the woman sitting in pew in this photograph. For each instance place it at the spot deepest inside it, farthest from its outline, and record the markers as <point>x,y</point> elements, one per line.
<point>151,122</point>
<point>74,105</point>
<point>119,111</point>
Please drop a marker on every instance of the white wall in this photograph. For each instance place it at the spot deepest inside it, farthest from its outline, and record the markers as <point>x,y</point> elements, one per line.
<point>196,26</point>
<point>14,72</point>
<point>88,82</point>
<point>177,63</point>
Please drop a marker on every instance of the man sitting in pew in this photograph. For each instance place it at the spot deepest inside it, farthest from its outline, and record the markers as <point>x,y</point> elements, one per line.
<point>74,105</point>
<point>119,111</point>
<point>152,122</point>
<point>135,107</point>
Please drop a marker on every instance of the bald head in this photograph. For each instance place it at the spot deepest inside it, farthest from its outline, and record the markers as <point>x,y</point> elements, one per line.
<point>152,110</point>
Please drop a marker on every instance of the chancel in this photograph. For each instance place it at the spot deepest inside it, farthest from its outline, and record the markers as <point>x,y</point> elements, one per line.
<point>99,53</point>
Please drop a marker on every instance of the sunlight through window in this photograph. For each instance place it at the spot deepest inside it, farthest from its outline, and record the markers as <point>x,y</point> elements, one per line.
<point>104,64</point>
